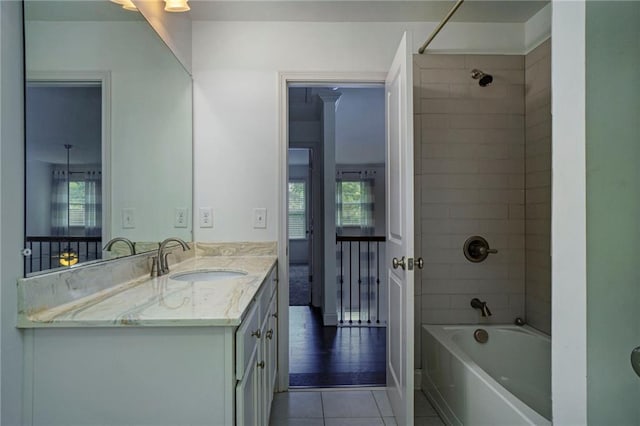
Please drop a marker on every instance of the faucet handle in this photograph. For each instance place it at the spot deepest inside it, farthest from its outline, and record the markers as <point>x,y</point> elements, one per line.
<point>155,267</point>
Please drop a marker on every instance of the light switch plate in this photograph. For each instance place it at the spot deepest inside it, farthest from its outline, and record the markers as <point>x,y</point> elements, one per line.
<point>128,218</point>
<point>260,218</point>
<point>181,219</point>
<point>205,217</point>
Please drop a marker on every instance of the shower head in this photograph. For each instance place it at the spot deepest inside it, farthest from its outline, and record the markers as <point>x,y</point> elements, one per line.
<point>485,79</point>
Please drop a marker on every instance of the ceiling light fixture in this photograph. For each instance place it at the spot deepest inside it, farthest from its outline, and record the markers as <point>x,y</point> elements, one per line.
<point>176,6</point>
<point>126,4</point>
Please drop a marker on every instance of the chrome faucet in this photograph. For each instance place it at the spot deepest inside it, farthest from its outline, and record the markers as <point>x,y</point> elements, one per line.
<point>478,304</point>
<point>163,264</point>
<point>132,246</point>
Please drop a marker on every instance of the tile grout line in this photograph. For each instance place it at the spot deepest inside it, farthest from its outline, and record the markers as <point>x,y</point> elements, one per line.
<point>324,423</point>
<point>375,400</point>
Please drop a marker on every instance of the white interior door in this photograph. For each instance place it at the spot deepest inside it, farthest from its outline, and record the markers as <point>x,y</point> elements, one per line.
<point>399,190</point>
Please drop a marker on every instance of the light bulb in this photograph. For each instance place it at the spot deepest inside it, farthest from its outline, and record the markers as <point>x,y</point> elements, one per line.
<point>176,6</point>
<point>128,5</point>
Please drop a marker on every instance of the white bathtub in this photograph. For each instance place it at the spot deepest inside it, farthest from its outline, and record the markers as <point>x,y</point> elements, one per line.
<point>506,381</point>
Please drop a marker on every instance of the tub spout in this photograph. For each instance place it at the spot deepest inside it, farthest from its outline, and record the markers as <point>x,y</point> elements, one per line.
<point>482,306</point>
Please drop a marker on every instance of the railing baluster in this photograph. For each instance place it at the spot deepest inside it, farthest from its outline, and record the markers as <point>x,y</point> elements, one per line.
<point>378,281</point>
<point>31,257</point>
<point>359,284</point>
<point>368,282</point>
<point>371,288</point>
<point>341,282</point>
<point>350,283</point>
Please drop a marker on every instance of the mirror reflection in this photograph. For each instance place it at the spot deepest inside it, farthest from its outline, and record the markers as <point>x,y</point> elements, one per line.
<point>108,135</point>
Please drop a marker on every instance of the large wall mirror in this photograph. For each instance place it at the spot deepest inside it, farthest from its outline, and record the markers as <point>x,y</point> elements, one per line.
<point>108,112</point>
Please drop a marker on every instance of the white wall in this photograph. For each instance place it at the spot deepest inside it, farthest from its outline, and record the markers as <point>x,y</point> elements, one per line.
<point>38,198</point>
<point>360,126</point>
<point>11,212</point>
<point>537,29</point>
<point>568,212</point>
<point>236,111</point>
<point>173,28</point>
<point>150,115</point>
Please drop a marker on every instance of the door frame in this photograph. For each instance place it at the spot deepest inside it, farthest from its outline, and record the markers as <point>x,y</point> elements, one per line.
<point>313,205</point>
<point>284,78</point>
<point>104,78</point>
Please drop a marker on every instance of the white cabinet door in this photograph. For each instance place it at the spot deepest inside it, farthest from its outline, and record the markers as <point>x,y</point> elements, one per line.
<point>248,395</point>
<point>254,391</point>
<point>272,350</point>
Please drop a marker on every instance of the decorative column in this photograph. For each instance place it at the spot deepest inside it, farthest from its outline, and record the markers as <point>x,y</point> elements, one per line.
<point>330,101</point>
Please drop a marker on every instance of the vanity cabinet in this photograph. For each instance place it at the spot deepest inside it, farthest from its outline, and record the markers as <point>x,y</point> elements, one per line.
<point>218,375</point>
<point>256,365</point>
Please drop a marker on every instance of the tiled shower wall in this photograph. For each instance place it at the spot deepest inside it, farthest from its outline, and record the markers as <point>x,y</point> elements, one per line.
<point>469,181</point>
<point>475,175</point>
<point>538,186</point>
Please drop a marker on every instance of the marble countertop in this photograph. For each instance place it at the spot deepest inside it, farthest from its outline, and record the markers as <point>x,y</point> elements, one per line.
<point>162,301</point>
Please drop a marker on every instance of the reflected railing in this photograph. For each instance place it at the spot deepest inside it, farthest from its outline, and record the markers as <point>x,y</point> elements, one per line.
<point>49,252</point>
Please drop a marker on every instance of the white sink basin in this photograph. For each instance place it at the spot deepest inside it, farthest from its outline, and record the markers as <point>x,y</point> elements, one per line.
<point>206,275</point>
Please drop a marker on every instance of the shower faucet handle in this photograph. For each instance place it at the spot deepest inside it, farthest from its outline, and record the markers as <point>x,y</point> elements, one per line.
<point>476,249</point>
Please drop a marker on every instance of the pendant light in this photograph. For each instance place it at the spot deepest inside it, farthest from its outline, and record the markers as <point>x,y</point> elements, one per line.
<point>68,257</point>
<point>176,5</point>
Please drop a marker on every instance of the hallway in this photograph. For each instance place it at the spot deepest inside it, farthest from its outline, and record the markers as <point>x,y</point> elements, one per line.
<point>333,356</point>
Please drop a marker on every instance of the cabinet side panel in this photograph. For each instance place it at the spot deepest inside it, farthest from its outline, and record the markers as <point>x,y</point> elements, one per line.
<point>142,376</point>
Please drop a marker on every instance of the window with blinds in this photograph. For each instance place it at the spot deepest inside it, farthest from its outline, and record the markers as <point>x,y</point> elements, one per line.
<point>354,203</point>
<point>76,203</point>
<point>297,210</point>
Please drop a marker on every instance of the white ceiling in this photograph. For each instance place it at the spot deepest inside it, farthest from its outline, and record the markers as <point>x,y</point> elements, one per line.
<point>77,10</point>
<point>513,11</point>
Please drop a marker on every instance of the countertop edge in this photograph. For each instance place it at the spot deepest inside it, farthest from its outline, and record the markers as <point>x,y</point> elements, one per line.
<point>24,322</point>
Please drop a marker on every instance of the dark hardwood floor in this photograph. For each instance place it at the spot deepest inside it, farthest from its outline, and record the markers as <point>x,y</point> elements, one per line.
<point>299,285</point>
<point>333,356</point>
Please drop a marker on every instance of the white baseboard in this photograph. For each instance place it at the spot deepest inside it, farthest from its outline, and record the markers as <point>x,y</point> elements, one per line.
<point>330,319</point>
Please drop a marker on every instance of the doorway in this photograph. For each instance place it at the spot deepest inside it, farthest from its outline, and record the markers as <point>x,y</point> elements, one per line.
<point>301,227</point>
<point>336,227</point>
<point>64,221</point>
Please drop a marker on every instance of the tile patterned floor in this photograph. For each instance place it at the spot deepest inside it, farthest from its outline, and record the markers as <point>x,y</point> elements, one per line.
<point>344,408</point>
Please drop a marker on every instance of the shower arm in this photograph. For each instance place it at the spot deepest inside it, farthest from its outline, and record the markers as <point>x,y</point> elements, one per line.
<point>440,25</point>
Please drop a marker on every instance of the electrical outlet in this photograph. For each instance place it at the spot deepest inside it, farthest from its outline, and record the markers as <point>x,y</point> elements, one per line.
<point>128,218</point>
<point>260,218</point>
<point>206,217</point>
<point>180,219</point>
